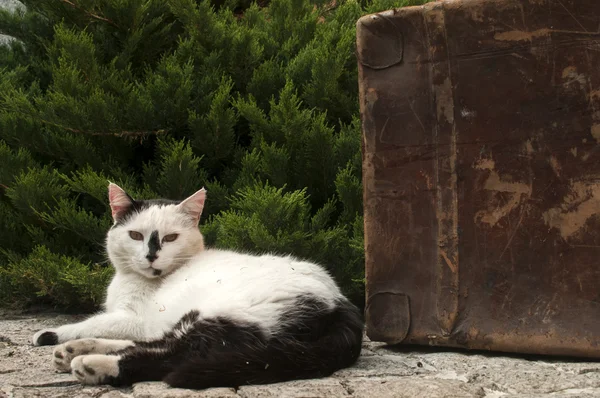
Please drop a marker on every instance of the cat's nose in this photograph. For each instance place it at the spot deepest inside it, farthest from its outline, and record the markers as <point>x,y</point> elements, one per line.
<point>151,257</point>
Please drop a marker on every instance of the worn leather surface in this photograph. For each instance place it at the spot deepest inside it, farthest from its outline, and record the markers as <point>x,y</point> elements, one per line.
<point>481,174</point>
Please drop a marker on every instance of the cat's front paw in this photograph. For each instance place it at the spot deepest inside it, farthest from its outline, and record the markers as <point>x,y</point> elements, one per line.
<point>95,369</point>
<point>45,337</point>
<point>64,353</point>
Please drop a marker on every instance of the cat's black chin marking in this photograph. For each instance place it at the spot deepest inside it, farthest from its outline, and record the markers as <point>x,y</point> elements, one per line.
<point>156,272</point>
<point>315,341</point>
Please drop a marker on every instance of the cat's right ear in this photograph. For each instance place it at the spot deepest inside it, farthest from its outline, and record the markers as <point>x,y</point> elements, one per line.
<point>194,205</point>
<point>120,202</point>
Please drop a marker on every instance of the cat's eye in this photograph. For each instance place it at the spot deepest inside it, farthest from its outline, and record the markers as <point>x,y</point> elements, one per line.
<point>170,238</point>
<point>136,235</point>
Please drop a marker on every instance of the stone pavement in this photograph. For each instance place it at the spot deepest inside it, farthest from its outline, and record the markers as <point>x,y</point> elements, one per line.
<point>25,371</point>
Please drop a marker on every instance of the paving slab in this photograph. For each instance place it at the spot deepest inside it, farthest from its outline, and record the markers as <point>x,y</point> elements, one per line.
<point>381,372</point>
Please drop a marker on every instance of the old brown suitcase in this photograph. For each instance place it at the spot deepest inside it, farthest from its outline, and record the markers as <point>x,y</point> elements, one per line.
<point>481,171</point>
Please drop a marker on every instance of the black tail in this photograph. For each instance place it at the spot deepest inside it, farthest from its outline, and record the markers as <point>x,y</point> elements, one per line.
<point>315,342</point>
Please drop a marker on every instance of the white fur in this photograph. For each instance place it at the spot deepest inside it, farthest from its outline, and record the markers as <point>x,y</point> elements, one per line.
<point>128,255</point>
<point>241,287</point>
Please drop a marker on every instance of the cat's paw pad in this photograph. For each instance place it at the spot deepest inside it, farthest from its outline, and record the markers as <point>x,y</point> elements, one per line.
<point>95,369</point>
<point>63,354</point>
<point>45,337</point>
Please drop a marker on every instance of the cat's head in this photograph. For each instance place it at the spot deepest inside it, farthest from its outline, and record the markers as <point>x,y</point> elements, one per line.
<point>153,237</point>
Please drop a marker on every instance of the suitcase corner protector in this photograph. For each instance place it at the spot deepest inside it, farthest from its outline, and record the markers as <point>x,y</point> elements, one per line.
<point>379,41</point>
<point>388,317</point>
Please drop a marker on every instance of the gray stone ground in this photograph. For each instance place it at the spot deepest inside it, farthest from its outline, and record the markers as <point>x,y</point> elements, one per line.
<point>25,371</point>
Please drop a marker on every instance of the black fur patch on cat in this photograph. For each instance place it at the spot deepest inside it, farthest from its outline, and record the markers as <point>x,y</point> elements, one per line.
<point>137,206</point>
<point>153,246</point>
<point>47,338</point>
<point>202,353</point>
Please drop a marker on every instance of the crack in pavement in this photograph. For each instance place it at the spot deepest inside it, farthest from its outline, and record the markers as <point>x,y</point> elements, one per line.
<point>346,386</point>
<point>66,383</point>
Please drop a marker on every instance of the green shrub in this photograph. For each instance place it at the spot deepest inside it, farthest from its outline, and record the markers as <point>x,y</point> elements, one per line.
<point>258,103</point>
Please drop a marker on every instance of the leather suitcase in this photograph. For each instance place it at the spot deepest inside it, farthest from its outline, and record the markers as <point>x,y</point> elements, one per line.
<point>481,174</point>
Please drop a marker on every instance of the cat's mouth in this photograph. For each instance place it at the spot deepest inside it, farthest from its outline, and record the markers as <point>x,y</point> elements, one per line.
<point>155,272</point>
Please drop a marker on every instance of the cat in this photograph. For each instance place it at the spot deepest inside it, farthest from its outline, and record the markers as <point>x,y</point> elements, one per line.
<point>196,317</point>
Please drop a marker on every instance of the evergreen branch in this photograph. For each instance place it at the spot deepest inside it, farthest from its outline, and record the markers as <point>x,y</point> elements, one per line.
<point>89,14</point>
<point>123,133</point>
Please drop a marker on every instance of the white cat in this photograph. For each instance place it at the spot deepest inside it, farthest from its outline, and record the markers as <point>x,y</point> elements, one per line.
<point>199,318</point>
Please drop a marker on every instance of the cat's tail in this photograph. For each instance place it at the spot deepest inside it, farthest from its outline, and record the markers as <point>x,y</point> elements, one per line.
<point>314,342</point>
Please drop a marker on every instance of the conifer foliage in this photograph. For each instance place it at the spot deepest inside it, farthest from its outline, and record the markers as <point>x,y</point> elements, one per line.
<point>255,101</point>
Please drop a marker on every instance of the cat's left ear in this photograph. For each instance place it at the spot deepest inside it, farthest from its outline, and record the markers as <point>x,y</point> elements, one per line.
<point>194,204</point>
